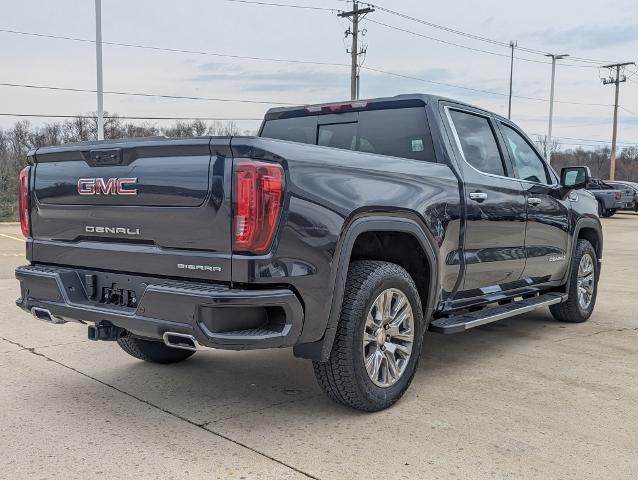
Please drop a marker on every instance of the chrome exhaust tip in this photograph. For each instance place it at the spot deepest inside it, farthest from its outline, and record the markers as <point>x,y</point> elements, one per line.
<point>180,340</point>
<point>44,315</point>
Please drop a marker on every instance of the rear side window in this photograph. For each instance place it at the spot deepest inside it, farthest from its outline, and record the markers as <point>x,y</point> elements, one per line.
<point>300,129</point>
<point>399,132</point>
<point>338,135</point>
<point>478,142</point>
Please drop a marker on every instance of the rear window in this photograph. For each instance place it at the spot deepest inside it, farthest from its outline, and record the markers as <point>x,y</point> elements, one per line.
<point>400,132</point>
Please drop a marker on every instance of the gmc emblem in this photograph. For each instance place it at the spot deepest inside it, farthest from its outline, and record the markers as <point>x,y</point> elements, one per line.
<point>112,186</point>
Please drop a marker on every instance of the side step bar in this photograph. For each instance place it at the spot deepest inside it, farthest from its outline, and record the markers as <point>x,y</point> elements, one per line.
<point>460,323</point>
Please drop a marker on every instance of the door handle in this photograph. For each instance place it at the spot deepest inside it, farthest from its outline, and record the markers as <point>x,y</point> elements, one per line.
<point>534,201</point>
<point>478,196</point>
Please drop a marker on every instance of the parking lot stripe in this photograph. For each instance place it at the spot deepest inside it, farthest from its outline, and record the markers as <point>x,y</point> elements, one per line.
<point>11,237</point>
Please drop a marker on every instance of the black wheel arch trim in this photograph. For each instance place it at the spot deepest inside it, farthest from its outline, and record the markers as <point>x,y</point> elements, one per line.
<point>581,224</point>
<point>404,222</point>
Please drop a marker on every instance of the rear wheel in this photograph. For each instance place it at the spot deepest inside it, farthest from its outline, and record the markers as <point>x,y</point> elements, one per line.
<point>602,211</point>
<point>583,286</point>
<point>151,351</point>
<point>378,340</point>
<point>605,212</point>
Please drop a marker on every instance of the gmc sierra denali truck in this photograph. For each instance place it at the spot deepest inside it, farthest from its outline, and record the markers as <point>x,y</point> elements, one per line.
<point>343,230</point>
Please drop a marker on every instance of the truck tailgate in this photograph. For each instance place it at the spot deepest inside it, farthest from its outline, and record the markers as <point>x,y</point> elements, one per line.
<point>156,206</point>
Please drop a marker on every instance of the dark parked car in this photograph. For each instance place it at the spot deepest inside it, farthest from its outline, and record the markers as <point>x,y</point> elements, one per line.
<point>344,230</point>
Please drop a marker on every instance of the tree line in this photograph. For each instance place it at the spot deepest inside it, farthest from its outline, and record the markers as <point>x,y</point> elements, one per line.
<point>16,141</point>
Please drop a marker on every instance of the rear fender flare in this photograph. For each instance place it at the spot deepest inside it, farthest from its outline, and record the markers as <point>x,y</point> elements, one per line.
<point>320,350</point>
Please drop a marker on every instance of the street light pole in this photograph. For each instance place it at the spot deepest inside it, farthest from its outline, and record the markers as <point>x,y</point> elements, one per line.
<point>98,61</point>
<point>554,57</point>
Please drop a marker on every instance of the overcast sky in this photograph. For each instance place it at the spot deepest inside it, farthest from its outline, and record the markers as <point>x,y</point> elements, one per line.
<point>602,30</point>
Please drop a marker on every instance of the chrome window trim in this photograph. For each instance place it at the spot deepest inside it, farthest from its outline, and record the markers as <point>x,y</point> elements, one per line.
<point>460,148</point>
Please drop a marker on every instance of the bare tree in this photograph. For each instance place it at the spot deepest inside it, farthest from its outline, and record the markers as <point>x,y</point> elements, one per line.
<point>541,143</point>
<point>16,141</point>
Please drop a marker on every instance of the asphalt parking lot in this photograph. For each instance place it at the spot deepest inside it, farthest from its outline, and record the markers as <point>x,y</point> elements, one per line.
<point>524,398</point>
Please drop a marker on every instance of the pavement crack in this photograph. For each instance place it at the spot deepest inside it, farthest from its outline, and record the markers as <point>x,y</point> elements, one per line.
<point>202,426</point>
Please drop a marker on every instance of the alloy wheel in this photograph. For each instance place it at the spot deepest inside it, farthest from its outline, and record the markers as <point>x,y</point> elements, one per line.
<point>388,337</point>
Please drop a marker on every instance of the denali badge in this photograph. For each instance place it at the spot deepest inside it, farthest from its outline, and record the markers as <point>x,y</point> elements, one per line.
<point>122,230</point>
<point>112,186</point>
<point>199,267</point>
<point>559,258</point>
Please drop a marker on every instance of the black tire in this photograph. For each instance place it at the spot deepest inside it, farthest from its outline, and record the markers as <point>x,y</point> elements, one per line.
<point>571,311</point>
<point>344,377</point>
<point>602,211</point>
<point>611,212</point>
<point>151,351</point>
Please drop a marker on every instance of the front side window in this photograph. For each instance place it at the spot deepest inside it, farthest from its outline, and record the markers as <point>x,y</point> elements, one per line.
<point>529,165</point>
<point>478,142</point>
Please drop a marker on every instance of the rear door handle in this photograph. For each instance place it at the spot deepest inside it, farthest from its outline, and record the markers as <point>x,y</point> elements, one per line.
<point>478,196</point>
<point>534,201</point>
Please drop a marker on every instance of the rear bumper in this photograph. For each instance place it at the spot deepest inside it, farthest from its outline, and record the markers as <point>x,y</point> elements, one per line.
<point>622,204</point>
<point>216,316</point>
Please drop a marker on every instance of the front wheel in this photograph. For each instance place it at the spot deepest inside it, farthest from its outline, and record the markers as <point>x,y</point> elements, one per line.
<point>378,341</point>
<point>583,286</point>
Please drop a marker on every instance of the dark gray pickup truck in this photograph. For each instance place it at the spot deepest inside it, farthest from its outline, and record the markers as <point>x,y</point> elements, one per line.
<point>344,230</point>
<point>611,197</point>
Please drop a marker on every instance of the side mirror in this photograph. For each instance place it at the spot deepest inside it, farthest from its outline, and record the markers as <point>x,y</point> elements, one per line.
<point>575,177</point>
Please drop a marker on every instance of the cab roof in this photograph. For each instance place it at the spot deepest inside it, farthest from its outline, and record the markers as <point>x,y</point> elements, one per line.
<point>397,101</point>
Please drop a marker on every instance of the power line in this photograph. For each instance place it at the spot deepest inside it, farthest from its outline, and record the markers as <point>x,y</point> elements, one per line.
<point>142,94</point>
<point>288,5</point>
<point>173,50</point>
<point>473,36</point>
<point>627,110</point>
<point>474,49</point>
<point>127,117</point>
<point>280,60</point>
<point>268,102</point>
<point>583,139</point>
<point>478,90</point>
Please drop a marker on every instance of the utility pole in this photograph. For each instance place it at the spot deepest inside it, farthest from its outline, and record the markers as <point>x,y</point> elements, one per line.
<point>354,51</point>
<point>617,80</point>
<point>98,61</point>
<point>548,142</point>
<point>509,105</point>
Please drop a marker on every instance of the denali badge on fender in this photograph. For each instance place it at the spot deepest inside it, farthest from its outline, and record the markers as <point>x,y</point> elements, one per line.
<point>112,186</point>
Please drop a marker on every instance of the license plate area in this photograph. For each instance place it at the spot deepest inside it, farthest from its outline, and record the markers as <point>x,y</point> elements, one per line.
<point>119,297</point>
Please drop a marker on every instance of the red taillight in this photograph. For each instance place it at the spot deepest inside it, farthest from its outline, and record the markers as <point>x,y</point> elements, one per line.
<point>258,201</point>
<point>23,201</point>
<point>618,195</point>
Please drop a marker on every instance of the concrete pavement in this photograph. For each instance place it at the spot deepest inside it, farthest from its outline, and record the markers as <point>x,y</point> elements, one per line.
<point>523,398</point>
